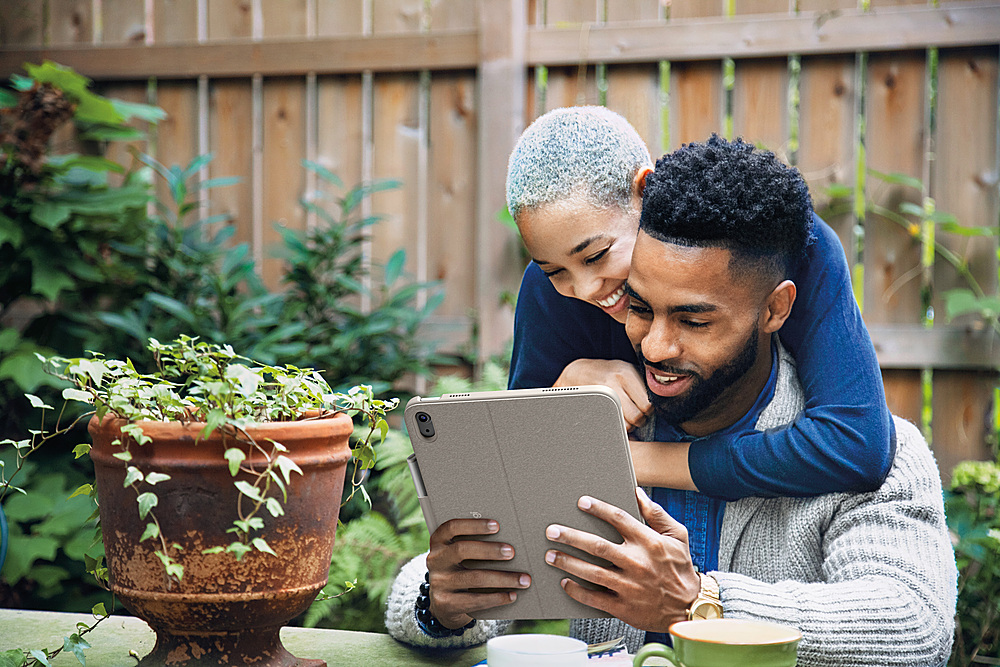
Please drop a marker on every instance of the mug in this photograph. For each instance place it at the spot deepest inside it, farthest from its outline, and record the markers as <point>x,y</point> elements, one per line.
<point>535,650</point>
<point>722,642</point>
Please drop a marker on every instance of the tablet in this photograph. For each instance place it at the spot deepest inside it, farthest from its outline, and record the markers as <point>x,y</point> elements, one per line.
<point>523,457</point>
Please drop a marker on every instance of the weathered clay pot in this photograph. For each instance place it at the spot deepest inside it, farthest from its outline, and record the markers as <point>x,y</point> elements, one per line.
<point>223,611</point>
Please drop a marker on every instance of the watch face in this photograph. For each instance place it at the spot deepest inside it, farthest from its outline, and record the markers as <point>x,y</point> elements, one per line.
<point>706,609</point>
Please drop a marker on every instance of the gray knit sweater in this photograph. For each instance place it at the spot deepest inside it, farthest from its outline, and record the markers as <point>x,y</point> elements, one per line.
<point>869,579</point>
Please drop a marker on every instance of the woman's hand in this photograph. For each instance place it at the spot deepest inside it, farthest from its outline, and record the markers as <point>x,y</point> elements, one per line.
<point>620,376</point>
<point>453,587</point>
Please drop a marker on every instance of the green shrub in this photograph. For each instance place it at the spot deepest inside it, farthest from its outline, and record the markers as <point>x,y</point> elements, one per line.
<point>972,507</point>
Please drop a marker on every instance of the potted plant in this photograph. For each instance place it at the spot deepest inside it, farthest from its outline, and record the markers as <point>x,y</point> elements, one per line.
<point>219,483</point>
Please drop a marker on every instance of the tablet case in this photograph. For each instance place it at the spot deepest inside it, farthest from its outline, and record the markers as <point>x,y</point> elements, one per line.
<point>523,457</point>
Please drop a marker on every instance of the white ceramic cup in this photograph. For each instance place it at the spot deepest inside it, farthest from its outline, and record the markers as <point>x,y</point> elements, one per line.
<point>535,651</point>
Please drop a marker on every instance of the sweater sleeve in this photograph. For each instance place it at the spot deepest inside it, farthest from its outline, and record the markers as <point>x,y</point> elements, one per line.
<point>401,618</point>
<point>887,588</point>
<point>844,439</point>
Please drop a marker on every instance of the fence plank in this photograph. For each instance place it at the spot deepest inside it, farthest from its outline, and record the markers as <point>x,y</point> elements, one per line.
<point>229,19</point>
<point>760,104</point>
<point>826,134</point>
<point>70,22</point>
<point>696,101</point>
<point>123,21</point>
<point>960,420</point>
<point>21,24</point>
<point>175,21</point>
<point>633,92</point>
<point>566,13</point>
<point>451,230</point>
<point>177,134</point>
<point>230,126</point>
<point>284,19</point>
<point>284,177</point>
<point>451,15</point>
<point>633,10</point>
<point>396,16</point>
<point>686,9</point>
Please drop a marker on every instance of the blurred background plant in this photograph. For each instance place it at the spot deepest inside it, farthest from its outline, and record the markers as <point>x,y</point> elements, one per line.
<point>91,258</point>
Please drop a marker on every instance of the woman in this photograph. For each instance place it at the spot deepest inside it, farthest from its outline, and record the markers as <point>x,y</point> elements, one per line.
<point>574,187</point>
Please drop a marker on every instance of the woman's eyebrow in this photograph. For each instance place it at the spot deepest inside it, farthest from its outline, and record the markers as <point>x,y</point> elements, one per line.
<point>582,245</point>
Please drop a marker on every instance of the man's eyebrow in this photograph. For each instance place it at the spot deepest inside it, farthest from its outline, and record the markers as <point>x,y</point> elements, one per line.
<point>686,308</point>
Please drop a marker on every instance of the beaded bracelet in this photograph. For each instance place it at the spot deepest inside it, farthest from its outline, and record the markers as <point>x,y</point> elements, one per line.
<point>425,619</point>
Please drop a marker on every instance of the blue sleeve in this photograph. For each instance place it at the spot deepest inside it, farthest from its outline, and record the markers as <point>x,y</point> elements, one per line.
<point>551,330</point>
<point>844,440</point>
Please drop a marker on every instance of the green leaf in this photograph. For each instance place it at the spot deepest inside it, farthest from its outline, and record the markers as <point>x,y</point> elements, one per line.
<point>138,110</point>
<point>49,282</point>
<point>99,610</point>
<point>50,214</point>
<point>41,657</point>
<point>152,531</point>
<point>132,475</point>
<point>261,545</point>
<point>248,490</point>
<point>274,507</point>
<point>81,450</point>
<point>235,457</point>
<point>14,658</point>
<point>287,466</point>
<point>155,477</point>
<point>897,178</point>
<point>238,549</point>
<point>76,644</point>
<point>71,394</point>
<point>123,456</point>
<point>323,172</point>
<point>147,501</point>
<point>394,267</point>
<point>37,402</point>
<point>213,550</point>
<point>82,490</point>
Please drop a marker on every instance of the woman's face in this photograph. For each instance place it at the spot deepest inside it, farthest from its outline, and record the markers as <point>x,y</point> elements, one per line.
<point>584,250</point>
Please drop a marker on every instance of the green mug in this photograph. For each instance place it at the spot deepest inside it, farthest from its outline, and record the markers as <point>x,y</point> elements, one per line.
<point>723,642</point>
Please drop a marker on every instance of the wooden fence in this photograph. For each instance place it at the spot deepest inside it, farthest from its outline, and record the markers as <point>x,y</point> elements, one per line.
<point>435,92</point>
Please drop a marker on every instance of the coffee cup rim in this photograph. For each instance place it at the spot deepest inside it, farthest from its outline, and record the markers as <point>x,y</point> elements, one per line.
<point>793,633</point>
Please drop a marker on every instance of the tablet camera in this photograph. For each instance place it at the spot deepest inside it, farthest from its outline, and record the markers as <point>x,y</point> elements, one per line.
<point>425,425</point>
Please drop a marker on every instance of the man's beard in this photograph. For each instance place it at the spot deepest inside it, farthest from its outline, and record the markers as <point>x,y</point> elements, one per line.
<point>703,391</point>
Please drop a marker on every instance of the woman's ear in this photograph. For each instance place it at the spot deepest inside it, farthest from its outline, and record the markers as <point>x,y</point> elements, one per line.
<point>778,306</point>
<point>639,182</point>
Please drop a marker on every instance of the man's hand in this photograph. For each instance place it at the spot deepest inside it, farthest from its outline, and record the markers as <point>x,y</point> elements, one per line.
<point>452,596</point>
<point>651,580</point>
<point>620,376</point>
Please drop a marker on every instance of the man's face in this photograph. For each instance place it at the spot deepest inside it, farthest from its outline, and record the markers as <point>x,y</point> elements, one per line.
<point>696,333</point>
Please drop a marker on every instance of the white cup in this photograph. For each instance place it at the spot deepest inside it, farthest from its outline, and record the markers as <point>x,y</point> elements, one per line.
<point>535,651</point>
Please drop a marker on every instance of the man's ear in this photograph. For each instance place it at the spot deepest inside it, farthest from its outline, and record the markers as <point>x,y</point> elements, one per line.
<point>778,306</point>
<point>639,182</point>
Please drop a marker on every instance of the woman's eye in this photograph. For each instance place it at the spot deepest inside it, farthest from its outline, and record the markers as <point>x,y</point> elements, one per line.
<point>597,257</point>
<point>549,274</point>
<point>637,309</point>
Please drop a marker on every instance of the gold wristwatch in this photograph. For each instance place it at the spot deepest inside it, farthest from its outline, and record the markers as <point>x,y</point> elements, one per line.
<point>707,604</point>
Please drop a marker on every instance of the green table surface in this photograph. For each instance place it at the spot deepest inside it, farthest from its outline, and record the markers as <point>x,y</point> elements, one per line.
<point>115,637</point>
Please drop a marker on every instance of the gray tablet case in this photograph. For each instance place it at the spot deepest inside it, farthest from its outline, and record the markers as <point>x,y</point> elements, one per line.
<point>523,457</point>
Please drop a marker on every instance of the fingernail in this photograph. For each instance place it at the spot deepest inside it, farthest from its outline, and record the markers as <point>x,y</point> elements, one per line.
<point>564,582</point>
<point>552,532</point>
<point>492,526</point>
<point>513,596</point>
<point>550,557</point>
<point>585,502</point>
<point>507,551</point>
<point>525,581</point>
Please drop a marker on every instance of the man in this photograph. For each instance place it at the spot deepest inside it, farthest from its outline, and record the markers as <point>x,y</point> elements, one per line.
<point>869,578</point>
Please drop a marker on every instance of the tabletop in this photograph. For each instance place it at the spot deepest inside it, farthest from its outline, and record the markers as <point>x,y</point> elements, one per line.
<point>114,637</point>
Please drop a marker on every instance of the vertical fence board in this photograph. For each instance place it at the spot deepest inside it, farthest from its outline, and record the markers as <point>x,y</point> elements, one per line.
<point>70,22</point>
<point>396,16</point>
<point>284,19</point>
<point>229,19</point>
<point>826,133</point>
<point>964,184</point>
<point>230,104</point>
<point>761,6</point>
<point>895,143</point>
<point>688,9</point>
<point>123,21</point>
<point>175,21</point>
<point>284,177</point>
<point>336,17</point>
<point>177,134</point>
<point>339,143</point>
<point>633,92</point>
<point>396,137</point>
<point>451,233</point>
<point>451,15</point>
<point>696,101</point>
<point>21,23</point>
<point>826,5</point>
<point>570,86</point>
<point>633,10</point>
<point>566,13</point>
<point>760,103</point>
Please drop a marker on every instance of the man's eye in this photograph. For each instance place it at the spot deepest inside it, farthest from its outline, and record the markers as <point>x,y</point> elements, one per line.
<point>597,257</point>
<point>695,325</point>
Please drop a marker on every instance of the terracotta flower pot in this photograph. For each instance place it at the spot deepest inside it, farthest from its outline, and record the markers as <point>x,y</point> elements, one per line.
<point>223,611</point>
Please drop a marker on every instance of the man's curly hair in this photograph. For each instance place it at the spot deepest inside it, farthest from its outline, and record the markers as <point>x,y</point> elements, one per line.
<point>730,195</point>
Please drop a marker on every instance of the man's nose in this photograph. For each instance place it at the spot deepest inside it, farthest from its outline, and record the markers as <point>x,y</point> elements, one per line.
<point>660,344</point>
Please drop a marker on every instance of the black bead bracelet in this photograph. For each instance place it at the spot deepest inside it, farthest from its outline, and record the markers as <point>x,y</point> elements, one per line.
<point>425,619</point>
